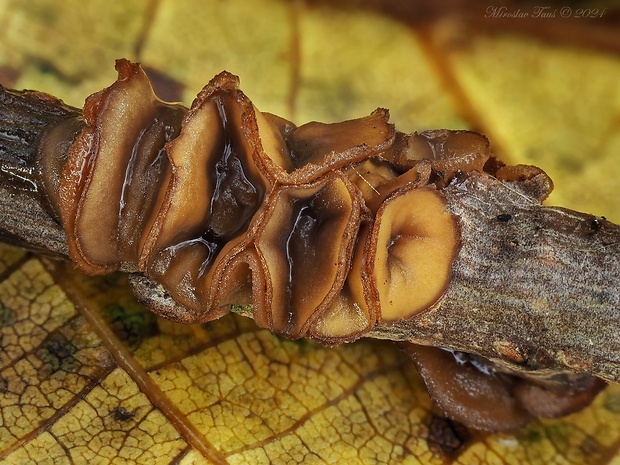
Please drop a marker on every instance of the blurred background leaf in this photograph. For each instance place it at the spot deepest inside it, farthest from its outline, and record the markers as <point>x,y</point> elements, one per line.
<point>88,375</point>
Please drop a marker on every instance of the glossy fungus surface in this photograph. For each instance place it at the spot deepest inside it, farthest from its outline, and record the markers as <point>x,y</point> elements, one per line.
<point>330,231</point>
<point>219,199</point>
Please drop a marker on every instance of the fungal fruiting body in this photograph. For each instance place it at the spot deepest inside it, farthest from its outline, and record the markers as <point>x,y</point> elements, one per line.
<point>330,232</point>
<point>221,204</point>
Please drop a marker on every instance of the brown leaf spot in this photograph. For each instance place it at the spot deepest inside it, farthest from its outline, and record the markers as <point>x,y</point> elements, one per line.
<point>56,354</point>
<point>446,438</point>
<point>121,414</point>
<point>591,449</point>
<point>7,315</point>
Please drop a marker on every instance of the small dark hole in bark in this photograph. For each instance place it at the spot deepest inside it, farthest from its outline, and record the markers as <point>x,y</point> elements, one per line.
<point>504,217</point>
<point>596,224</point>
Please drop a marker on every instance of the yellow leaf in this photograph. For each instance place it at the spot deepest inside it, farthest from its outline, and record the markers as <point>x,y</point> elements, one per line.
<point>89,376</point>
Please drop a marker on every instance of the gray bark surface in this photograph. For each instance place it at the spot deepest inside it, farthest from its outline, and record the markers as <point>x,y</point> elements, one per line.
<point>533,288</point>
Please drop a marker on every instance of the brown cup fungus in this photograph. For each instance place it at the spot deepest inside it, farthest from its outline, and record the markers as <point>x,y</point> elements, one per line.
<point>214,190</point>
<point>327,231</point>
<point>475,392</point>
<point>114,171</point>
<point>305,245</point>
<point>450,152</point>
<point>410,250</point>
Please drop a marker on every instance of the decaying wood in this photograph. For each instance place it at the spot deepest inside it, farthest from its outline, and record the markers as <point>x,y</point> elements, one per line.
<point>533,290</point>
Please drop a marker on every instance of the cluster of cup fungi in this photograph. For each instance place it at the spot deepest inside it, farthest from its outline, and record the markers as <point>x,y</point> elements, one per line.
<point>331,232</point>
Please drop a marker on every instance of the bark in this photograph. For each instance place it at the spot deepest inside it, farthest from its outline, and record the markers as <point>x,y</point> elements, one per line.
<point>534,289</point>
<point>27,119</point>
<point>26,223</point>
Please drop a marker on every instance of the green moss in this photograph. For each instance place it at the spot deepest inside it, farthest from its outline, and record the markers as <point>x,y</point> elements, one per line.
<point>241,309</point>
<point>132,324</point>
<point>7,315</point>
